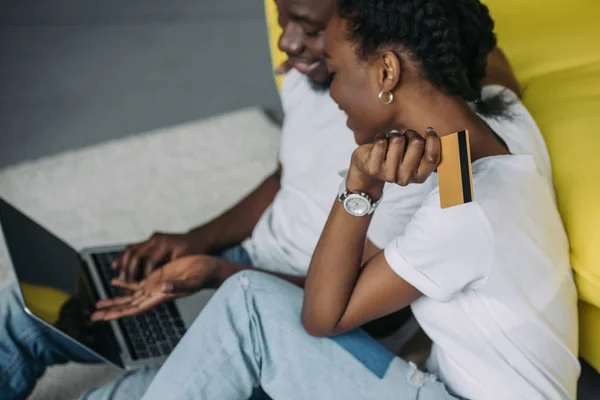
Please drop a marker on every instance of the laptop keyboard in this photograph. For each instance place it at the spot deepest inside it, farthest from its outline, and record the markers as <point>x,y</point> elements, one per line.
<point>152,334</point>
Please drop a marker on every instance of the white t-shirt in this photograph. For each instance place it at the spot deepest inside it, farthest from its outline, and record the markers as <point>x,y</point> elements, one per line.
<point>315,145</point>
<point>522,136</point>
<point>499,300</point>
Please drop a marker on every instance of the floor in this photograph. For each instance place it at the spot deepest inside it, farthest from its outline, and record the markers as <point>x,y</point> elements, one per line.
<point>78,72</point>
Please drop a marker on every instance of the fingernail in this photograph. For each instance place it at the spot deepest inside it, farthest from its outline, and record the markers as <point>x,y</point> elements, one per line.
<point>168,288</point>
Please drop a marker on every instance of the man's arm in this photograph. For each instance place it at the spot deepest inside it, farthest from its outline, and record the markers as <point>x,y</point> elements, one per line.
<point>499,72</point>
<point>227,230</point>
<point>340,295</point>
<point>237,223</point>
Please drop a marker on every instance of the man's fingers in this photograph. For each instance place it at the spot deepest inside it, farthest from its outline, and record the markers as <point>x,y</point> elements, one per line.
<point>415,147</point>
<point>124,257</point>
<point>431,157</point>
<point>133,286</point>
<point>131,310</point>
<point>116,301</point>
<point>141,299</point>
<point>158,255</point>
<point>132,268</point>
<point>116,313</point>
<point>125,260</point>
<point>97,316</point>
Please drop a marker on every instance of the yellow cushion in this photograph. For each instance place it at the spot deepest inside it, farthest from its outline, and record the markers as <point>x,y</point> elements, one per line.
<point>274,31</point>
<point>45,302</point>
<point>553,46</point>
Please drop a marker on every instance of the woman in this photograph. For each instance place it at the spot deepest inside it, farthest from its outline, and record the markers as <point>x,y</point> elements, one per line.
<point>489,281</point>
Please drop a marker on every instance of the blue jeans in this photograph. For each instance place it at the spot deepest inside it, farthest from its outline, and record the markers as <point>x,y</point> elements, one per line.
<point>27,347</point>
<point>250,335</point>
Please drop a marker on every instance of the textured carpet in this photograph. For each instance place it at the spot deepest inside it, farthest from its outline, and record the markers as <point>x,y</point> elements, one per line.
<point>121,191</point>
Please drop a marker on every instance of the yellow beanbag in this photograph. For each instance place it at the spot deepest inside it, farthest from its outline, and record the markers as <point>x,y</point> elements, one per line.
<point>277,56</point>
<point>554,48</point>
<point>45,302</point>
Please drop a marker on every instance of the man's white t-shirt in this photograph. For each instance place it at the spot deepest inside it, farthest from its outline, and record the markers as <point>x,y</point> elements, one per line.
<point>315,145</point>
<point>499,300</point>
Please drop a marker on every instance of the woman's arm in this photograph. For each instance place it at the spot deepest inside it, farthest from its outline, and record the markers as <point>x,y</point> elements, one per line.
<point>339,294</point>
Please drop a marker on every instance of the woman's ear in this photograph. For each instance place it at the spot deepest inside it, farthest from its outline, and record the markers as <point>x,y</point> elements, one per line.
<point>390,70</point>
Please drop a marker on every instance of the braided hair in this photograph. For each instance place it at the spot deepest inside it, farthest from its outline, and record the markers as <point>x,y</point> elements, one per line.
<point>450,39</point>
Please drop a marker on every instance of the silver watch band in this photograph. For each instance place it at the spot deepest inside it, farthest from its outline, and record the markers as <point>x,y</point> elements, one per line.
<point>344,196</point>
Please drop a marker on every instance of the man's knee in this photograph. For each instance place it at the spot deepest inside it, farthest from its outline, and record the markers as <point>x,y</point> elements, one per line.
<point>264,293</point>
<point>256,281</point>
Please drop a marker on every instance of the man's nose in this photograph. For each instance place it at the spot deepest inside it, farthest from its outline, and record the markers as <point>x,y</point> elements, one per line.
<point>290,40</point>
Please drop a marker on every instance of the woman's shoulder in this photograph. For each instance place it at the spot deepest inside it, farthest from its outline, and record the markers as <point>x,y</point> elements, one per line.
<point>518,129</point>
<point>499,184</point>
<point>505,176</point>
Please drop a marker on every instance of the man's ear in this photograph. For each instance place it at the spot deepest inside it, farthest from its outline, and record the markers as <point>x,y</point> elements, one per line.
<point>390,71</point>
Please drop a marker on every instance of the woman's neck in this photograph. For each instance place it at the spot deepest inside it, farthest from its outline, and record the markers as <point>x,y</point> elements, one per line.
<point>447,114</point>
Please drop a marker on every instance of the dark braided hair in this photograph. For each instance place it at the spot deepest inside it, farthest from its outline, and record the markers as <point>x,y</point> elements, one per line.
<point>450,39</point>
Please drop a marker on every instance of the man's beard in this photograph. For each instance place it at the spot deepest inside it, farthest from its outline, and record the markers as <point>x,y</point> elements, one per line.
<point>321,86</point>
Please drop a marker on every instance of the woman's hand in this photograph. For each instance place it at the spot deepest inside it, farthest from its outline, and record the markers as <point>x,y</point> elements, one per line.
<point>179,278</point>
<point>396,158</point>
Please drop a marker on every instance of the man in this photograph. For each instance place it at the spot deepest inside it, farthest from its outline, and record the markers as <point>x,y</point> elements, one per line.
<point>274,229</point>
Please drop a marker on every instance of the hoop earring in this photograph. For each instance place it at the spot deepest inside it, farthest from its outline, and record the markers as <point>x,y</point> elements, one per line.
<point>390,97</point>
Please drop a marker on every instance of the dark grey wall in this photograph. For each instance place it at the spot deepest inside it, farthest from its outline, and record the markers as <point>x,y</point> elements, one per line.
<point>77,72</point>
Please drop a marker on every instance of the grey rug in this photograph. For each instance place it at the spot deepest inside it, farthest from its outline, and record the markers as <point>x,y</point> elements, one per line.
<point>121,191</point>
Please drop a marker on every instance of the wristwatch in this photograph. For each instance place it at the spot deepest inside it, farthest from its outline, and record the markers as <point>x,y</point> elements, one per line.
<point>357,204</point>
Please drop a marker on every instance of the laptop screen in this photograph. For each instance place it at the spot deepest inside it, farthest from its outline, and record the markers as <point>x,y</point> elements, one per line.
<point>55,287</point>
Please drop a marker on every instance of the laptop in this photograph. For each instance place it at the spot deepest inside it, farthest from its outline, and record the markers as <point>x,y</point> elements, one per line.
<point>44,264</point>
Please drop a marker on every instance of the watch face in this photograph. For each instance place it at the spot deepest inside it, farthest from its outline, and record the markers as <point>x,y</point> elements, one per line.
<point>357,205</point>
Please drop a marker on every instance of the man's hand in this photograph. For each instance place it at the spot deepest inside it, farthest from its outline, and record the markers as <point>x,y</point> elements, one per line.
<point>396,158</point>
<point>155,251</point>
<point>179,278</point>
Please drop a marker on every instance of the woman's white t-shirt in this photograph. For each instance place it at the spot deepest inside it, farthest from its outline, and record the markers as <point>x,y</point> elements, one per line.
<point>499,300</point>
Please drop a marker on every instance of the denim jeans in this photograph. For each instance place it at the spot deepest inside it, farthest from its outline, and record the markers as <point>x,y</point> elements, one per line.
<point>27,347</point>
<point>250,335</point>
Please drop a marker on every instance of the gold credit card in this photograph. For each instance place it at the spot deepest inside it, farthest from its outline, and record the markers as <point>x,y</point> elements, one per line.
<point>454,172</point>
